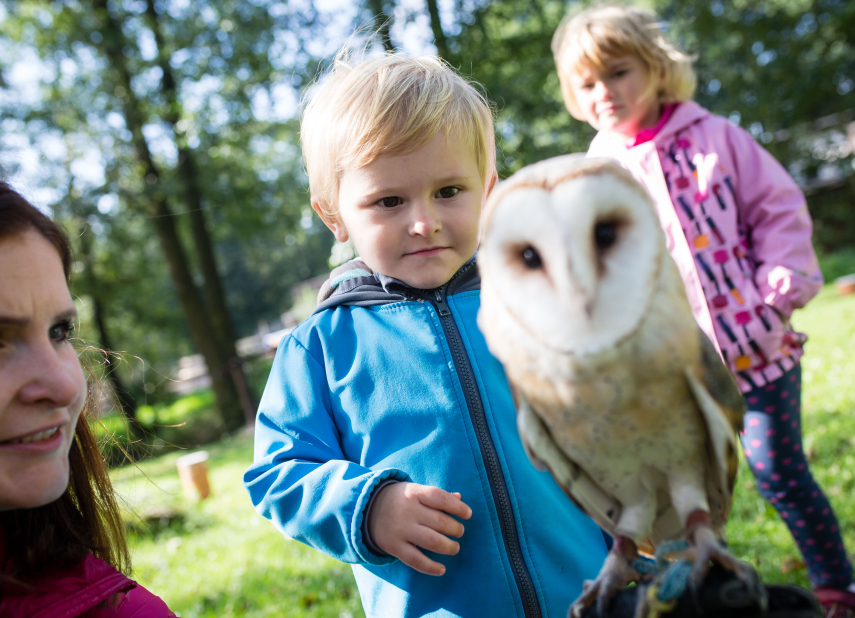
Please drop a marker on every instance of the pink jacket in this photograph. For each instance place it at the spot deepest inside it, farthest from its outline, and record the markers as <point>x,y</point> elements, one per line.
<point>92,589</point>
<point>739,230</point>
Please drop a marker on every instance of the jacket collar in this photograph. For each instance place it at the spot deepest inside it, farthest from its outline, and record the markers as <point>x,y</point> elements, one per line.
<point>686,114</point>
<point>353,283</point>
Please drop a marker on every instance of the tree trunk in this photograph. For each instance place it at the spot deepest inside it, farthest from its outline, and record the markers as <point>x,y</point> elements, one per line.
<point>221,320</point>
<point>163,219</point>
<point>436,27</point>
<point>384,23</point>
<point>126,403</point>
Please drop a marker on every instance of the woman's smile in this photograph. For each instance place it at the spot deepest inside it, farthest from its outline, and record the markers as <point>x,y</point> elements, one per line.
<point>40,441</point>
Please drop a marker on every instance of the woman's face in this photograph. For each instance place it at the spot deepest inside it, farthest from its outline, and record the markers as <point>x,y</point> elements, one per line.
<point>42,388</point>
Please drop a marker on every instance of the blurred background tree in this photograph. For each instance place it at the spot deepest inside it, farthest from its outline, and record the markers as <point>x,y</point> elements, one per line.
<point>164,134</point>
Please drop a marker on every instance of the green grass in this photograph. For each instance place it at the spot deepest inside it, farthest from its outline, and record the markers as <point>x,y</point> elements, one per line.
<point>219,558</point>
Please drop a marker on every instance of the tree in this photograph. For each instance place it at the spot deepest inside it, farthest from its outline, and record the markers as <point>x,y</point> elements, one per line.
<point>126,403</point>
<point>116,106</point>
<point>774,67</point>
<point>436,28</point>
<point>505,46</point>
<point>382,17</point>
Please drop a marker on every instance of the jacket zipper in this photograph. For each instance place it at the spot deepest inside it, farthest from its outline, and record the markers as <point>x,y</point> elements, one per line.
<point>499,488</point>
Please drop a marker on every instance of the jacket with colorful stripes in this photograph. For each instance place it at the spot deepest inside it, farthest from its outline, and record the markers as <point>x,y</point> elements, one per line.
<point>739,230</point>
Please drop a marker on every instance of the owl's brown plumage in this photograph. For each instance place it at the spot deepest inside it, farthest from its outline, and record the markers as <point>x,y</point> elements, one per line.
<point>619,393</point>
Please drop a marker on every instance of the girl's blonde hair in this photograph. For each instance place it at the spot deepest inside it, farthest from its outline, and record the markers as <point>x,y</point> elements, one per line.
<point>606,32</point>
<point>388,105</point>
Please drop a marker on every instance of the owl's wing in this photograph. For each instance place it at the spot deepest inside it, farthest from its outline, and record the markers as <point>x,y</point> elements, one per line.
<point>721,384</point>
<point>576,483</point>
<point>723,408</point>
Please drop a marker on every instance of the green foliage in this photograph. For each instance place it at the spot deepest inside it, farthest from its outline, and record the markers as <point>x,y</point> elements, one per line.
<point>238,69</point>
<point>188,422</point>
<point>834,218</point>
<point>782,69</point>
<point>838,264</point>
<point>505,46</point>
<point>178,412</point>
<point>774,67</point>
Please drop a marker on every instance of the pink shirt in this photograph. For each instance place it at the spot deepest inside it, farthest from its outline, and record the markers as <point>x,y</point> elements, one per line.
<point>645,135</point>
<point>738,229</point>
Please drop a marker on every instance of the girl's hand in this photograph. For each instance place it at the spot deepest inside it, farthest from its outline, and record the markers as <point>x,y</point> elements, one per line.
<point>407,516</point>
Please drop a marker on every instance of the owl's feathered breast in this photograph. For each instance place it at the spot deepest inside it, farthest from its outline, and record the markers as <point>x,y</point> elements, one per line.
<point>609,403</point>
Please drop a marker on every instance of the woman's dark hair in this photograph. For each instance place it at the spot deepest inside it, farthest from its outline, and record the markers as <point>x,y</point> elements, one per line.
<point>17,216</point>
<point>86,517</point>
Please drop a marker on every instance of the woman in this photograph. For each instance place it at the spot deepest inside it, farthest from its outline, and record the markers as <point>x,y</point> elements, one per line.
<point>62,544</point>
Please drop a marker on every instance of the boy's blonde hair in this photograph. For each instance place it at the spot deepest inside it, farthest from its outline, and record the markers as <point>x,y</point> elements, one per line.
<point>611,31</point>
<point>388,105</point>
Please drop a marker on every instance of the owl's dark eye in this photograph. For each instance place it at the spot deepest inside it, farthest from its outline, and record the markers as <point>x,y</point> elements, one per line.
<point>605,235</point>
<point>531,258</point>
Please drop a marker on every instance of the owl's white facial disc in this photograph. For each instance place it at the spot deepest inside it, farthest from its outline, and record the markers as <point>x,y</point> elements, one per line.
<point>575,266</point>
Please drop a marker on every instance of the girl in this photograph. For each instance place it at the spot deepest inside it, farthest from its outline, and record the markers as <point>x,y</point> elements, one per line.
<point>738,228</point>
<point>62,542</point>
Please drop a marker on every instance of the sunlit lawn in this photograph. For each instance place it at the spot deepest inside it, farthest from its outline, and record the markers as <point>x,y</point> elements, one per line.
<point>218,558</point>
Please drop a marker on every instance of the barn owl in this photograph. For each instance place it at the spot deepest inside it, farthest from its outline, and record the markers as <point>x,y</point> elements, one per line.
<point>619,393</point>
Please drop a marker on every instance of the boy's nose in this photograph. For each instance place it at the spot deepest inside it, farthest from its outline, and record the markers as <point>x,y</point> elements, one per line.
<point>425,220</point>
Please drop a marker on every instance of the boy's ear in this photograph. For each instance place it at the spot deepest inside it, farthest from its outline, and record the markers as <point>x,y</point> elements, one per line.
<point>333,222</point>
<point>490,184</point>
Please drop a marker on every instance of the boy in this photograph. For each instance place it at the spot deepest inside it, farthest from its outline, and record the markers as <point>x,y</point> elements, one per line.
<point>385,421</point>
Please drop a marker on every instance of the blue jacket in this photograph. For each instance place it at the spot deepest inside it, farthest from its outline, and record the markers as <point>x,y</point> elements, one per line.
<point>388,382</point>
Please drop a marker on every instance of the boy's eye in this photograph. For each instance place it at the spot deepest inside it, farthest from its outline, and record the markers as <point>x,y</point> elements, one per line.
<point>59,333</point>
<point>390,202</point>
<point>447,192</point>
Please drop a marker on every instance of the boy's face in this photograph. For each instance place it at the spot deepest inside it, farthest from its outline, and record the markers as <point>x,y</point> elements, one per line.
<point>414,216</point>
<point>617,99</point>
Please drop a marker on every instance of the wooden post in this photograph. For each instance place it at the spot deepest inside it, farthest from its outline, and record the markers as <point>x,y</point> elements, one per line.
<point>193,472</point>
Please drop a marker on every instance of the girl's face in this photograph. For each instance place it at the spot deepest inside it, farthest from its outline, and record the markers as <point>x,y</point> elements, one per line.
<point>618,98</point>
<point>42,388</point>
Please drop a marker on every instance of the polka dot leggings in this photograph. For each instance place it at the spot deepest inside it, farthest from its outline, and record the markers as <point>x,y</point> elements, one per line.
<point>773,445</point>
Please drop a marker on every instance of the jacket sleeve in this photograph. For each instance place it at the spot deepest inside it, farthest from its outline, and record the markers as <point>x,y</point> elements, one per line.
<point>775,214</point>
<point>301,480</point>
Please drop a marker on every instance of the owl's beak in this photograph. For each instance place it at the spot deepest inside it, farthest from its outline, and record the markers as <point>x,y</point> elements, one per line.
<point>588,308</point>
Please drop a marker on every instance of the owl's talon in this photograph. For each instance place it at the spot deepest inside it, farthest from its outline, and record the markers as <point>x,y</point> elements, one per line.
<point>616,573</point>
<point>708,549</point>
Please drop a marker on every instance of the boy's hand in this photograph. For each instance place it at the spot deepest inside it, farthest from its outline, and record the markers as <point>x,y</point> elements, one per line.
<point>407,516</point>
